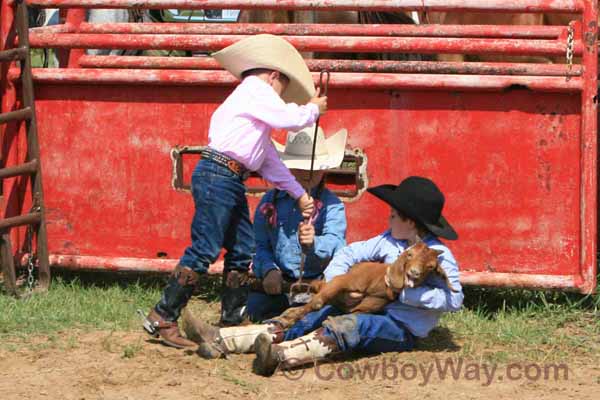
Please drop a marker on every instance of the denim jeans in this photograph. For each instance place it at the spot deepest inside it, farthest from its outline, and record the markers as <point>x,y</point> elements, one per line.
<point>221,220</point>
<point>263,306</point>
<point>368,333</point>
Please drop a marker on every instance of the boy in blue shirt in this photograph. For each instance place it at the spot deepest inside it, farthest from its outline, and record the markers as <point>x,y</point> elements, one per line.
<point>279,229</point>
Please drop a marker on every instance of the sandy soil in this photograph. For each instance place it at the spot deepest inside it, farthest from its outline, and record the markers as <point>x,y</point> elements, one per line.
<point>126,365</point>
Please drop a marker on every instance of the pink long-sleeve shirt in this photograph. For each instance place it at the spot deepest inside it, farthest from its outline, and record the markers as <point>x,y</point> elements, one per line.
<point>241,128</point>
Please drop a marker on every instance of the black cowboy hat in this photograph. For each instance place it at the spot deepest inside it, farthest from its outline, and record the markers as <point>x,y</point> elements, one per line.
<point>419,199</point>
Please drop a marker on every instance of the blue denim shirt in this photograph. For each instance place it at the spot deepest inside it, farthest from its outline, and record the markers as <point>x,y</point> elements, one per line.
<point>278,247</point>
<point>419,308</point>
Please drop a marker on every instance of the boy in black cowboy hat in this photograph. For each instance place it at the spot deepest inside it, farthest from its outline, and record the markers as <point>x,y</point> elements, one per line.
<point>416,214</point>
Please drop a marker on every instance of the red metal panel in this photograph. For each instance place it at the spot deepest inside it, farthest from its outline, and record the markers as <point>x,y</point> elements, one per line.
<point>484,156</point>
<point>328,5</point>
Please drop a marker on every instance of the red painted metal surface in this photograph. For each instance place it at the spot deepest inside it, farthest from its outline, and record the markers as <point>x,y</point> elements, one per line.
<point>308,43</point>
<point>329,5</point>
<point>514,154</point>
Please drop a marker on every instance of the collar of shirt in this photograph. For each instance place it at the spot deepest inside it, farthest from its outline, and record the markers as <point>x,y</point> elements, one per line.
<point>254,82</point>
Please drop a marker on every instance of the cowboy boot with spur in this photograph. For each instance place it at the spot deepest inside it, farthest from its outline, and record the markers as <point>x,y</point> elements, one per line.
<point>292,353</point>
<point>162,319</point>
<point>214,342</point>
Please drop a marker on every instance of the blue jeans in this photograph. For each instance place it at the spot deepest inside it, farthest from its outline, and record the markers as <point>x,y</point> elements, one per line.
<point>263,306</point>
<point>368,333</point>
<point>221,220</point>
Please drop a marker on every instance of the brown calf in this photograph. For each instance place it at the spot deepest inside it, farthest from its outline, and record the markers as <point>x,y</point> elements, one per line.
<point>379,283</point>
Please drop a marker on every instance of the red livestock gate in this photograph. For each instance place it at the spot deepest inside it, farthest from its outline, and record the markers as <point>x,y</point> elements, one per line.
<point>512,145</point>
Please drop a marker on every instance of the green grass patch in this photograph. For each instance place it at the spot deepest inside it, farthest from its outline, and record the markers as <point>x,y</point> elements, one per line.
<point>496,325</point>
<point>508,325</point>
<point>74,303</point>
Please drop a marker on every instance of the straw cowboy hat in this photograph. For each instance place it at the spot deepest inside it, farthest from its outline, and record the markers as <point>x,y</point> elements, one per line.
<point>271,52</point>
<point>329,153</point>
<point>420,200</point>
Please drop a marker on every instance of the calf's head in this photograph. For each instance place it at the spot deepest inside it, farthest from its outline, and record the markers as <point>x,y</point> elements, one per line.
<point>414,265</point>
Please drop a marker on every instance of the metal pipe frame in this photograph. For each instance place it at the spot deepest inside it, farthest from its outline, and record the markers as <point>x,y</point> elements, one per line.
<point>432,67</point>
<point>532,6</point>
<point>406,30</point>
<point>372,81</point>
<point>163,265</point>
<point>343,44</point>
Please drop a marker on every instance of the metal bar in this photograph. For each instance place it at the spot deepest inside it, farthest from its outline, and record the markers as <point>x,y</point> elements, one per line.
<point>27,219</point>
<point>121,264</point>
<point>13,54</point>
<point>309,43</point>
<point>327,5</point>
<point>7,263</point>
<point>74,18</point>
<point>435,67</point>
<point>530,281</point>
<point>23,114</point>
<point>589,147</point>
<point>33,149</point>
<point>338,80</point>
<point>487,31</point>
<point>159,265</point>
<point>27,168</point>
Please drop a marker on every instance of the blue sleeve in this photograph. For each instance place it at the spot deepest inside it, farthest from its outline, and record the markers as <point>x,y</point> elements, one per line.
<point>333,235</point>
<point>353,254</point>
<point>435,295</point>
<point>264,259</point>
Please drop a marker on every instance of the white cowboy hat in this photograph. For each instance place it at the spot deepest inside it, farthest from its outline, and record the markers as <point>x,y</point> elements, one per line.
<point>271,52</point>
<point>329,153</point>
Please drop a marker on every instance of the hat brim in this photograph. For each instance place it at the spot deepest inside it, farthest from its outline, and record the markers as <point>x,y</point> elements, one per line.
<point>270,52</point>
<point>441,228</point>
<point>336,148</point>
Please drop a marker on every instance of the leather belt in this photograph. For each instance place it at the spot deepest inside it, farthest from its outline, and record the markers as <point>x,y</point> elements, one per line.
<point>224,160</point>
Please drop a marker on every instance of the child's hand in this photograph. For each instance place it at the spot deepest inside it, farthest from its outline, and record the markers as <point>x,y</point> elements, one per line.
<point>306,205</point>
<point>321,102</point>
<point>273,282</point>
<point>306,234</point>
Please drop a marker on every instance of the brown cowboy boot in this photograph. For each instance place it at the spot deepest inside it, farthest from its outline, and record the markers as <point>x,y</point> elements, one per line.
<point>292,353</point>
<point>157,326</point>
<point>161,321</point>
<point>216,342</point>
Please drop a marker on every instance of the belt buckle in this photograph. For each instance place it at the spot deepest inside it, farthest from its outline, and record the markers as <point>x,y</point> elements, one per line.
<point>235,167</point>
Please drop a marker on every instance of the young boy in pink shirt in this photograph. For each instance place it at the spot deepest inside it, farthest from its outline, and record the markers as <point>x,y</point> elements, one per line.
<point>275,80</point>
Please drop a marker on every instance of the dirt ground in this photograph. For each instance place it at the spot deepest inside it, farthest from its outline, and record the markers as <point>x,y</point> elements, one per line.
<point>127,365</point>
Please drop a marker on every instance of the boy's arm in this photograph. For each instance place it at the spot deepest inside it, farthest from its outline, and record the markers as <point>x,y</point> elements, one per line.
<point>353,254</point>
<point>275,171</point>
<point>264,260</point>
<point>269,108</point>
<point>333,235</point>
<point>437,298</point>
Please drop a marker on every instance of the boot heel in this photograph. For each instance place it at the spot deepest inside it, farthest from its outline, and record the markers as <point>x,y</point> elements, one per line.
<point>266,361</point>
